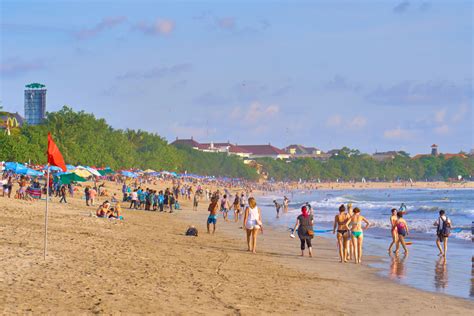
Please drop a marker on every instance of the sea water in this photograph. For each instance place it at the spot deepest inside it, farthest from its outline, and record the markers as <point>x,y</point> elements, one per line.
<point>422,268</point>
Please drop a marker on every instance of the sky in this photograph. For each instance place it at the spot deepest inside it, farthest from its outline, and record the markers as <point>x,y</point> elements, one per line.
<point>371,75</point>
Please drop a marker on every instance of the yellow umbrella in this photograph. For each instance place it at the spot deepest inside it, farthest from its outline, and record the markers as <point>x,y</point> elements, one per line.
<point>149,171</point>
<point>82,173</point>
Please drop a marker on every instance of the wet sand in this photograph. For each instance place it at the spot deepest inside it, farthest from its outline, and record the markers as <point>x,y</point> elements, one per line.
<point>145,264</point>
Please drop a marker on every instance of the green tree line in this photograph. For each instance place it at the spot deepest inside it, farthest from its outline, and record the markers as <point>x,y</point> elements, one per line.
<point>86,140</point>
<point>355,166</point>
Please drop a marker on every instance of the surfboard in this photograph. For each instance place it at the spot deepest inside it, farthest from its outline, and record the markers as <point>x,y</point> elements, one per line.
<point>408,243</point>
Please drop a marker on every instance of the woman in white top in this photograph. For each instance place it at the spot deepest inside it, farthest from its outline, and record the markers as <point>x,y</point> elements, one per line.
<point>253,223</point>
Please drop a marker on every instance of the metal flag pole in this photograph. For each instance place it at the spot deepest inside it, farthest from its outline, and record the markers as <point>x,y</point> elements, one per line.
<point>46,216</point>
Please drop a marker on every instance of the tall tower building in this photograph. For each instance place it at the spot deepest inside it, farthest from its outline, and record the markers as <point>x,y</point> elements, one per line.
<point>35,103</point>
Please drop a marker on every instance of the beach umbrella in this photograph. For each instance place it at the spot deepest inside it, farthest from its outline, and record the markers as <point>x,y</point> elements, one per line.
<point>105,171</point>
<point>82,172</point>
<point>93,171</point>
<point>29,172</point>
<point>70,167</point>
<point>52,168</point>
<point>67,178</point>
<point>129,174</point>
<point>14,166</point>
<point>149,171</point>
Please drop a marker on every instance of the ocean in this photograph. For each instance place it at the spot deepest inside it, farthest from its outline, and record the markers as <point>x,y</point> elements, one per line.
<point>422,269</point>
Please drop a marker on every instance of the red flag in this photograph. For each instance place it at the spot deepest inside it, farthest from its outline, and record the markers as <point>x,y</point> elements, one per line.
<point>55,158</point>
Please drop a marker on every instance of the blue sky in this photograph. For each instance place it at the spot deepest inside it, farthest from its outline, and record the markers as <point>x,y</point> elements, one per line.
<point>372,75</point>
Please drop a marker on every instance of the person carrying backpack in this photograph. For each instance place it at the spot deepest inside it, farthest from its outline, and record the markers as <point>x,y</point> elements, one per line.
<point>443,230</point>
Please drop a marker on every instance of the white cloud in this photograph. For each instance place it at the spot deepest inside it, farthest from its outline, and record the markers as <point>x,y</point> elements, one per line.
<point>440,116</point>
<point>461,113</point>
<point>334,121</point>
<point>398,134</point>
<point>442,129</point>
<point>159,27</point>
<point>255,112</point>
<point>358,122</point>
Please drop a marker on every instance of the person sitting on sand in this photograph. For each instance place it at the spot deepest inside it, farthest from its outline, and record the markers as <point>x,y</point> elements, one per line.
<point>103,210</point>
<point>402,231</point>
<point>304,225</point>
<point>393,225</point>
<point>355,223</point>
<point>342,233</point>
<point>212,219</point>
<point>253,224</point>
<point>443,230</point>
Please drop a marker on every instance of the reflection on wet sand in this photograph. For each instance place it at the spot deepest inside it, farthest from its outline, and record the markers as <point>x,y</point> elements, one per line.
<point>397,266</point>
<point>441,274</point>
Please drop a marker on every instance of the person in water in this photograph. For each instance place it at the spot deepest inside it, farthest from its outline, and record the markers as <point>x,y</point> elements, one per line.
<point>393,225</point>
<point>277,208</point>
<point>342,233</point>
<point>402,232</point>
<point>253,224</point>
<point>443,230</point>
<point>355,222</point>
<point>304,224</point>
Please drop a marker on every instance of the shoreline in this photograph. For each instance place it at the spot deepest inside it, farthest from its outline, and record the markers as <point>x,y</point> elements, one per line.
<point>145,264</point>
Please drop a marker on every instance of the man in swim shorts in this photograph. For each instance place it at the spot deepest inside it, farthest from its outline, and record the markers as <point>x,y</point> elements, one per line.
<point>212,219</point>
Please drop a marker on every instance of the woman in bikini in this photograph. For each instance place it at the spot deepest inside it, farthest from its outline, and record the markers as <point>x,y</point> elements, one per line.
<point>402,231</point>
<point>393,224</point>
<point>342,233</point>
<point>236,207</point>
<point>350,244</point>
<point>355,222</point>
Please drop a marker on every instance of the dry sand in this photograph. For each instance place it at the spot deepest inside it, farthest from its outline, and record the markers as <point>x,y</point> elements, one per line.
<point>145,264</point>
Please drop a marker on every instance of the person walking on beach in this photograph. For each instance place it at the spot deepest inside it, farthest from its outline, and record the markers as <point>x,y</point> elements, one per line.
<point>63,194</point>
<point>355,222</point>
<point>443,230</point>
<point>402,231</point>
<point>350,250</point>
<point>236,206</point>
<point>92,194</point>
<point>393,225</point>
<point>195,202</point>
<point>304,225</point>
<point>225,207</point>
<point>342,233</point>
<point>253,224</point>
<point>87,193</point>
<point>212,219</point>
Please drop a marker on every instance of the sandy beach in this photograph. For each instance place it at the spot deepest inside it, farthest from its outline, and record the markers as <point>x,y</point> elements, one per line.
<point>145,264</point>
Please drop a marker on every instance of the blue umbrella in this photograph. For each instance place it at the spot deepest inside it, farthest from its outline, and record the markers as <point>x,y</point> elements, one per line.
<point>129,174</point>
<point>52,168</point>
<point>29,172</point>
<point>14,166</point>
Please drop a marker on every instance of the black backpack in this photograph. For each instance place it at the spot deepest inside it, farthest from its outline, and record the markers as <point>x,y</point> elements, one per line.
<point>192,231</point>
<point>444,228</point>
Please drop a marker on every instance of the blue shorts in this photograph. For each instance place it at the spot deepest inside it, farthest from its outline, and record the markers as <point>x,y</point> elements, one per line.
<point>212,219</point>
